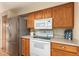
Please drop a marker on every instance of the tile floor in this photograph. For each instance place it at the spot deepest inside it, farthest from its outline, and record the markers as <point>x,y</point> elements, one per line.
<point>3,53</point>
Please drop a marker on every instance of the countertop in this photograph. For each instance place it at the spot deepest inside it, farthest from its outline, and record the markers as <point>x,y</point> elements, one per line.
<point>66,41</point>
<point>73,42</point>
<point>26,36</point>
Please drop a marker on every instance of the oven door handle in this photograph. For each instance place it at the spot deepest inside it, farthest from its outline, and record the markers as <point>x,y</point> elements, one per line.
<point>46,42</point>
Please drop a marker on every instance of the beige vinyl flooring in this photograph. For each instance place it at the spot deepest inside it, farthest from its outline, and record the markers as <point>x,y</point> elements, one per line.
<point>3,53</point>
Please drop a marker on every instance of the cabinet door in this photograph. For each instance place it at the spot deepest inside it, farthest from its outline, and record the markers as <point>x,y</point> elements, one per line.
<point>39,14</point>
<point>27,47</point>
<point>78,51</point>
<point>57,15</point>
<point>23,46</point>
<point>30,20</point>
<point>47,13</point>
<point>69,15</point>
<point>57,52</point>
<point>63,16</point>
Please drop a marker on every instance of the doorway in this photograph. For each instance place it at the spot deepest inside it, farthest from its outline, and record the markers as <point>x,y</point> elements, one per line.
<point>4,21</point>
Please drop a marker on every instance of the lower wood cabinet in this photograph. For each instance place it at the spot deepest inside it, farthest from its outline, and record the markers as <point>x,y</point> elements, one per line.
<point>58,49</point>
<point>25,47</point>
<point>57,52</point>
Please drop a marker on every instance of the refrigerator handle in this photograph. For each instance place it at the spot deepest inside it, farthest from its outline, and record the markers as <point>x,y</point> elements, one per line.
<point>9,30</point>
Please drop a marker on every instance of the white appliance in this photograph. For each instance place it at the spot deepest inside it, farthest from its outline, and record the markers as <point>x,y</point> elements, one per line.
<point>39,47</point>
<point>44,33</point>
<point>40,42</point>
<point>43,23</point>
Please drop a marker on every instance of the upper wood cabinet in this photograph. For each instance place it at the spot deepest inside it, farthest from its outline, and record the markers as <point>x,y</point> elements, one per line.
<point>47,13</point>
<point>30,20</point>
<point>39,14</point>
<point>63,16</point>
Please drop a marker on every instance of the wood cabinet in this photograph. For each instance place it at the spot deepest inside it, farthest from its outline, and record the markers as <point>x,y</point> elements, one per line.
<point>78,50</point>
<point>63,16</point>
<point>25,47</point>
<point>58,49</point>
<point>64,47</point>
<point>39,14</point>
<point>42,14</point>
<point>30,20</point>
<point>47,13</point>
<point>57,52</point>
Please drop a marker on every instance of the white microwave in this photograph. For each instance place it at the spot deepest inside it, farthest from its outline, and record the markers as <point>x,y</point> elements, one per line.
<point>43,23</point>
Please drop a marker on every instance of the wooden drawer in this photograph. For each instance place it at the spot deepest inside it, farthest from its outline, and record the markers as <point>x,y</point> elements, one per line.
<point>64,47</point>
<point>70,48</point>
<point>57,52</point>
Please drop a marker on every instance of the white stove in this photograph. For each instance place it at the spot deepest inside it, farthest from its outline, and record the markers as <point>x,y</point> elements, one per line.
<point>39,47</point>
<point>40,44</point>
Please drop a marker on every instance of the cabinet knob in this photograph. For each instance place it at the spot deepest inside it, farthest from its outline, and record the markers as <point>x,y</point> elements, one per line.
<point>62,47</point>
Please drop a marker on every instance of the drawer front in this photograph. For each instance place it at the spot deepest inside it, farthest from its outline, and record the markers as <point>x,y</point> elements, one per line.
<point>70,48</point>
<point>57,52</point>
<point>58,46</point>
<point>64,47</point>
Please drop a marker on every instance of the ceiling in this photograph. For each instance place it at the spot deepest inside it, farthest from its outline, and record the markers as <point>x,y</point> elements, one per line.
<point>10,5</point>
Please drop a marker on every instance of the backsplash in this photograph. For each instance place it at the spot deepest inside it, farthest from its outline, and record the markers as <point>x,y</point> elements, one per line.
<point>44,33</point>
<point>57,33</point>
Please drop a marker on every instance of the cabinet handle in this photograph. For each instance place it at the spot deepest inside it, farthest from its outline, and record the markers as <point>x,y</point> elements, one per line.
<point>62,46</point>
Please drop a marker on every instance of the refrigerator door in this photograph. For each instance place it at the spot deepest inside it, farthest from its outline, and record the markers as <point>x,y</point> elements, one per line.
<point>13,36</point>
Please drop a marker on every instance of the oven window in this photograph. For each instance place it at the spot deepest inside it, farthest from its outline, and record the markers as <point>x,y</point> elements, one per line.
<point>39,45</point>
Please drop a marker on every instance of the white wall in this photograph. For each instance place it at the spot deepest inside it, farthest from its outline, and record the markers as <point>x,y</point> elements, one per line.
<point>12,13</point>
<point>76,21</point>
<point>0,31</point>
<point>1,14</point>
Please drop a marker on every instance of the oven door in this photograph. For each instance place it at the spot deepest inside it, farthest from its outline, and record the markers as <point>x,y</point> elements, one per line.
<point>39,48</point>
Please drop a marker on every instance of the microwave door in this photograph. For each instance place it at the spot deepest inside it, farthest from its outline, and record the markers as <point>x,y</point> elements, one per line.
<point>39,24</point>
<point>43,23</point>
<point>49,24</point>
